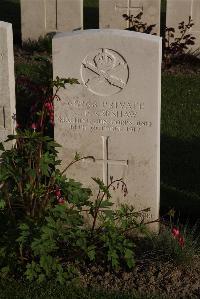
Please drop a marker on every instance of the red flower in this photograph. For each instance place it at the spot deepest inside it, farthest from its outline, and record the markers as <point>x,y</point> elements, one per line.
<point>61,201</point>
<point>33,126</point>
<point>175,232</point>
<point>58,193</point>
<point>49,106</point>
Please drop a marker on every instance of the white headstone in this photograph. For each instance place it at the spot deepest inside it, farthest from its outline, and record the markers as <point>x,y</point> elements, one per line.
<point>7,81</point>
<point>111,11</point>
<point>114,114</point>
<point>180,10</point>
<point>39,17</point>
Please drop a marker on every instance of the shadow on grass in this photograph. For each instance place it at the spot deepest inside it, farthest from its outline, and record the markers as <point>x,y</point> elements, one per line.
<point>10,12</point>
<point>180,179</point>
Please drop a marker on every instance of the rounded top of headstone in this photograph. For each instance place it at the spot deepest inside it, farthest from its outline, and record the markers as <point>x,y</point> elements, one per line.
<point>5,24</point>
<point>107,32</point>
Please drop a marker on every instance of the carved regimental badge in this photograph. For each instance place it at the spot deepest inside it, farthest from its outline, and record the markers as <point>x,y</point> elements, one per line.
<point>104,72</point>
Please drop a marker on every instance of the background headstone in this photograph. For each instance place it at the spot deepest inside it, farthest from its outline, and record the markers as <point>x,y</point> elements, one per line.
<point>7,81</point>
<point>111,11</point>
<point>180,10</point>
<point>39,17</point>
<point>114,113</point>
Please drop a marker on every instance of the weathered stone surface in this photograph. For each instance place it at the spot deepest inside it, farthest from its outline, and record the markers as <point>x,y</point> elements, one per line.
<point>114,113</point>
<point>111,11</point>
<point>7,81</point>
<point>39,17</point>
<point>180,10</point>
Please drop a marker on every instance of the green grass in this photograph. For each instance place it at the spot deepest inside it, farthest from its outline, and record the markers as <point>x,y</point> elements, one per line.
<point>180,144</point>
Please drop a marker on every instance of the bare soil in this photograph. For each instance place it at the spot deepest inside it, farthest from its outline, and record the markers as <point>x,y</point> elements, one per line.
<point>149,277</point>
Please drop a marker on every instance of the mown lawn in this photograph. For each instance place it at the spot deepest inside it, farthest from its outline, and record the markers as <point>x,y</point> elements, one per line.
<point>180,144</point>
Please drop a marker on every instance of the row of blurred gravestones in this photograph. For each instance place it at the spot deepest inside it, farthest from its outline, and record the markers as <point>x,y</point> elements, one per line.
<point>40,17</point>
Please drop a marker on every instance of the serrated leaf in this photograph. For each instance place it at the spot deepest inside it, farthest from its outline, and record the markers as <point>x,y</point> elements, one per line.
<point>91,252</point>
<point>129,257</point>
<point>106,203</point>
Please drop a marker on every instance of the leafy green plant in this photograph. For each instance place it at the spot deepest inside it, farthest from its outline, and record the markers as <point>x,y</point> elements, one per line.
<point>43,227</point>
<point>176,46</point>
<point>46,233</point>
<point>43,44</point>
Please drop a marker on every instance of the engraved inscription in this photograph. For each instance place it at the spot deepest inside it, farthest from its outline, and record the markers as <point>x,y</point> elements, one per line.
<point>104,72</point>
<point>104,116</point>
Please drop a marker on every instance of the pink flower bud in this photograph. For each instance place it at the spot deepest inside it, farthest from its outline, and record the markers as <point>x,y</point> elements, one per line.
<point>57,192</point>
<point>175,232</point>
<point>61,201</point>
<point>33,126</point>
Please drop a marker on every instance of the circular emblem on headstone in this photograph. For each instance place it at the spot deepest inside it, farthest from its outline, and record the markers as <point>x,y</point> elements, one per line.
<point>104,72</point>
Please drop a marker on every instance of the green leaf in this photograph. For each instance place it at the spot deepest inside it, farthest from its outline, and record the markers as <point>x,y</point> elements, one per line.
<point>91,252</point>
<point>113,257</point>
<point>102,186</point>
<point>106,203</point>
<point>171,213</point>
<point>129,257</point>
<point>2,204</point>
<point>77,156</point>
<point>109,213</point>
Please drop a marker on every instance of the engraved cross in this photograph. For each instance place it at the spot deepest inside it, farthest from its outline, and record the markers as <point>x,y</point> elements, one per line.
<point>2,117</point>
<point>106,161</point>
<point>129,9</point>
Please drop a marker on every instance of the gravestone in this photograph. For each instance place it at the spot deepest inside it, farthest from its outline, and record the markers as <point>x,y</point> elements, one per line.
<point>7,81</point>
<point>180,10</point>
<point>110,13</point>
<point>114,113</point>
<point>39,17</point>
